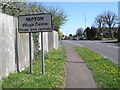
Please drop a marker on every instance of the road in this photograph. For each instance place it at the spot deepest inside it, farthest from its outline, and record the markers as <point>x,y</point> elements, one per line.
<point>108,49</point>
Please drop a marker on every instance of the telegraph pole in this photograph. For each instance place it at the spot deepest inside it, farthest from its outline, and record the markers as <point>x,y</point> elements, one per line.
<point>85,24</point>
<point>85,19</point>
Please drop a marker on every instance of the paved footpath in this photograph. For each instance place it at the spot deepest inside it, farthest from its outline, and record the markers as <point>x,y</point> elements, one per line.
<point>77,73</point>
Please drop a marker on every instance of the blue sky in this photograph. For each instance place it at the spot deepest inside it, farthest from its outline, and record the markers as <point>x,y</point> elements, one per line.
<point>76,10</point>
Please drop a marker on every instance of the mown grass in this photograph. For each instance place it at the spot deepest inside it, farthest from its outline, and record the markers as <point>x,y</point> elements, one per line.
<point>53,78</point>
<point>106,73</point>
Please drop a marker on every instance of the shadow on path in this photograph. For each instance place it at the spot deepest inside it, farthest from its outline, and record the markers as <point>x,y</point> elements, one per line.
<point>74,62</point>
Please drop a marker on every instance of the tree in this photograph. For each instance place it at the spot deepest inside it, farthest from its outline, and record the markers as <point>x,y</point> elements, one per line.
<point>88,34</point>
<point>79,31</point>
<point>60,35</point>
<point>100,22</point>
<point>13,8</point>
<point>70,35</point>
<point>93,32</point>
<point>106,19</point>
<point>110,20</point>
<point>74,35</point>
<point>58,18</point>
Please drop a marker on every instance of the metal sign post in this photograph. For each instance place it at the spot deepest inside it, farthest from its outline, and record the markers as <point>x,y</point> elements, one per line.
<point>35,23</point>
<point>42,49</point>
<point>30,54</point>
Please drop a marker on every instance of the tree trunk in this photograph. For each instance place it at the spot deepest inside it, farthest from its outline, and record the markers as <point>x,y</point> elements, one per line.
<point>111,33</point>
<point>101,31</point>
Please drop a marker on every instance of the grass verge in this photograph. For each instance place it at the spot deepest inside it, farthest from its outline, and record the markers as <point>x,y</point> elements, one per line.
<point>109,39</point>
<point>53,78</point>
<point>106,73</point>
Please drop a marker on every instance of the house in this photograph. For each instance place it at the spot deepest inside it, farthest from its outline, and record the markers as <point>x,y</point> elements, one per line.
<point>106,32</point>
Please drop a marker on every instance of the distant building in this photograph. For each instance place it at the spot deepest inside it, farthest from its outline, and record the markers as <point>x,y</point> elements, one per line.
<point>106,33</point>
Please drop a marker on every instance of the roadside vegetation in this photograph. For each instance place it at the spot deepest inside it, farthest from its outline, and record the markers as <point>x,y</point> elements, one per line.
<point>59,17</point>
<point>53,78</point>
<point>106,73</point>
<point>109,39</point>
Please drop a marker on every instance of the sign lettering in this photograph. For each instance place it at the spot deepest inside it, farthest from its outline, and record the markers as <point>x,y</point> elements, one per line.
<point>35,23</point>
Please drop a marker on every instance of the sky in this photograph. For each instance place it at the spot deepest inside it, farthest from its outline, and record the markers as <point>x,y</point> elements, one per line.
<point>78,11</point>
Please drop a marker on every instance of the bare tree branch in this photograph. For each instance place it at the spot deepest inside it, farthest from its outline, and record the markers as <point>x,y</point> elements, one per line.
<point>107,19</point>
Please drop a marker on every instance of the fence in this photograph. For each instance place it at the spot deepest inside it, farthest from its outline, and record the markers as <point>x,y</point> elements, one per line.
<point>52,40</point>
<point>14,46</point>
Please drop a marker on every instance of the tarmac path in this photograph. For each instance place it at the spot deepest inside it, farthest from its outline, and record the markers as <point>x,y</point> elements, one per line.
<point>77,73</point>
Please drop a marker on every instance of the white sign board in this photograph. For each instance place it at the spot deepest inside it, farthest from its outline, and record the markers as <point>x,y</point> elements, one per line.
<point>35,23</point>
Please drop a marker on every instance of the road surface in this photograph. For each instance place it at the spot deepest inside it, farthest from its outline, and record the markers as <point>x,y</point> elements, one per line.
<point>108,49</point>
